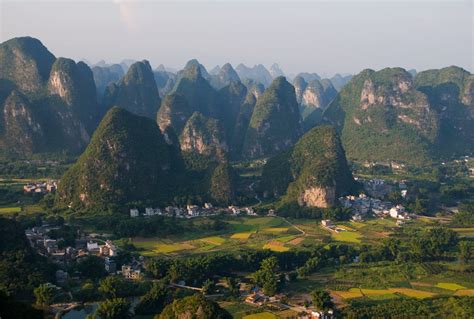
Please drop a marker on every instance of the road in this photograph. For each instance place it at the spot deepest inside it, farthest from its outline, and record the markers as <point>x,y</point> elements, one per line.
<point>303,233</point>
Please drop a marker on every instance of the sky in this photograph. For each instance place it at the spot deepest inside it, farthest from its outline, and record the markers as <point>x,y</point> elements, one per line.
<point>320,36</point>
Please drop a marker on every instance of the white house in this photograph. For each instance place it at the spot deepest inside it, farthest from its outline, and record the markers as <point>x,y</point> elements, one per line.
<point>193,210</point>
<point>397,211</point>
<point>207,205</point>
<point>134,212</point>
<point>234,210</point>
<point>92,246</point>
<point>250,211</point>
<point>327,223</point>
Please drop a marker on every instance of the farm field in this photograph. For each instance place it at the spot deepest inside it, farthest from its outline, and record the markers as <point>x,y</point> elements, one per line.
<point>241,232</point>
<point>238,310</point>
<point>449,286</point>
<point>261,315</point>
<point>273,233</point>
<point>347,236</point>
<point>10,210</point>
<point>465,232</point>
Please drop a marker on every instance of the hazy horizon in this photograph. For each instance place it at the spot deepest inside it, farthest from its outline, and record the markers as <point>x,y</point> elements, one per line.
<point>308,36</point>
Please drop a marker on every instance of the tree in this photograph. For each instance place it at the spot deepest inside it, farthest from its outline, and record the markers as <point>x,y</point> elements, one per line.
<point>196,307</point>
<point>208,287</point>
<point>114,287</point>
<point>87,292</point>
<point>118,308</point>
<point>465,251</point>
<point>233,285</point>
<point>92,267</point>
<point>322,300</point>
<point>44,294</point>
<point>157,267</point>
<point>266,276</point>
<point>153,301</point>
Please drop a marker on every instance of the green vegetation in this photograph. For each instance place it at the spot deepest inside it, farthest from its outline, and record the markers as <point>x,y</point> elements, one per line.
<point>18,259</point>
<point>36,118</point>
<point>316,161</point>
<point>261,315</point>
<point>136,92</point>
<point>456,307</point>
<point>222,185</point>
<point>266,277</point>
<point>123,163</point>
<point>374,128</point>
<point>194,306</point>
<point>276,123</point>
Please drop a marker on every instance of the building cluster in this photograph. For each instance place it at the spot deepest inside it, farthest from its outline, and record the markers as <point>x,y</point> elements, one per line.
<point>42,187</point>
<point>64,256</point>
<point>191,211</point>
<point>46,246</point>
<point>363,205</point>
<point>329,225</point>
<point>377,187</point>
<point>278,302</point>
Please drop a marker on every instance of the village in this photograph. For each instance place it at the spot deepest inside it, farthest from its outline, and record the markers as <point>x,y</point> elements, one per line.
<point>86,245</point>
<point>90,245</point>
<point>362,207</point>
<point>41,187</point>
<point>191,211</point>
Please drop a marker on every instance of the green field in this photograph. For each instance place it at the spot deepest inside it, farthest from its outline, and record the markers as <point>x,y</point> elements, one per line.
<point>261,315</point>
<point>347,236</point>
<point>214,240</point>
<point>10,210</point>
<point>241,236</point>
<point>275,246</point>
<point>449,286</point>
<point>241,232</point>
<point>238,310</point>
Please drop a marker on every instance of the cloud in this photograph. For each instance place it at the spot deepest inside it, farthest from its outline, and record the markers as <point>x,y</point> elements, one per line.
<point>127,13</point>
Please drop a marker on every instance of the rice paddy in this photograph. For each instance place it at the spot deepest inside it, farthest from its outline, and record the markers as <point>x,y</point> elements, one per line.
<point>275,246</point>
<point>10,210</point>
<point>347,236</point>
<point>214,240</point>
<point>420,294</point>
<point>449,286</point>
<point>464,292</point>
<point>261,315</point>
<point>276,230</point>
<point>241,236</point>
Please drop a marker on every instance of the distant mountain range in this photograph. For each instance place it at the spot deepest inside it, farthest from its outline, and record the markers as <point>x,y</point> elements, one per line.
<point>193,122</point>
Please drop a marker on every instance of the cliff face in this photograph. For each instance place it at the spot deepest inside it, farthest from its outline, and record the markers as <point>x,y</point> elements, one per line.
<point>203,136</point>
<point>174,113</point>
<point>50,103</point>
<point>25,62</point>
<point>74,84</point>
<point>323,197</point>
<point>382,117</point>
<point>450,92</point>
<point>23,134</point>
<point>313,173</point>
<point>136,91</point>
<point>276,123</point>
<point>313,97</point>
